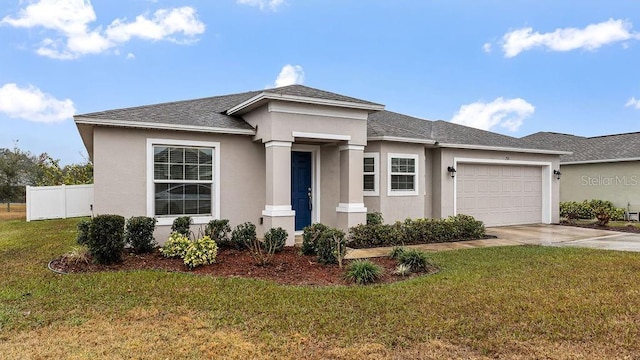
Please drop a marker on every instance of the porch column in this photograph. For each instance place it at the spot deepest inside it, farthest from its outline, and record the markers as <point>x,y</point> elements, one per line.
<point>277,210</point>
<point>351,210</point>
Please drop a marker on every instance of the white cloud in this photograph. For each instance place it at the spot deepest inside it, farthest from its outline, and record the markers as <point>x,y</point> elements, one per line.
<point>263,4</point>
<point>505,113</point>
<point>486,47</point>
<point>71,37</point>
<point>32,104</point>
<point>290,75</point>
<point>633,102</point>
<point>590,38</point>
<point>131,56</point>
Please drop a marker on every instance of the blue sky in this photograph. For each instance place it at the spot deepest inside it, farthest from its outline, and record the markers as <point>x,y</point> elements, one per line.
<point>514,67</point>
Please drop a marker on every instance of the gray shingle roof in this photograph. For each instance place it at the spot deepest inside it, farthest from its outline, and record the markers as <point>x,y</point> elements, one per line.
<point>305,91</point>
<point>597,148</point>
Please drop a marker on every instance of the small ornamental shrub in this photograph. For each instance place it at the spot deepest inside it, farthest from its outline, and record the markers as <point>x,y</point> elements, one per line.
<point>139,234</point>
<point>275,239</point>
<point>365,235</point>
<point>467,227</point>
<point>310,236</point>
<point>106,242</point>
<point>589,209</point>
<point>84,232</point>
<point>363,272</point>
<point>602,215</point>
<point>182,225</point>
<point>396,252</point>
<point>176,245</point>
<point>220,231</point>
<point>243,235</point>
<point>416,260</point>
<point>374,218</point>
<point>402,270</point>
<point>201,252</point>
<point>78,255</point>
<point>331,246</point>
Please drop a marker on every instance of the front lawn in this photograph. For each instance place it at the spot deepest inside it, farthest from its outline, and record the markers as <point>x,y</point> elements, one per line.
<point>507,302</point>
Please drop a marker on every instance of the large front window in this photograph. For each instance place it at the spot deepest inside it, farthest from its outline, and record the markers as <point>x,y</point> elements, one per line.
<point>183,179</point>
<point>403,174</point>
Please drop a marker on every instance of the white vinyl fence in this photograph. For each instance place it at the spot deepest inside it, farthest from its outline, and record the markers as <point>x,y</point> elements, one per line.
<point>55,202</point>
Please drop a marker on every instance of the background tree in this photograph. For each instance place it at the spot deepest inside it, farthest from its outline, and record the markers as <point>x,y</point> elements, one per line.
<point>17,169</point>
<point>51,173</point>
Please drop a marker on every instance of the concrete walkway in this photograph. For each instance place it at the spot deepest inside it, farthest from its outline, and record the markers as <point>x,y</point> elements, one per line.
<point>545,235</point>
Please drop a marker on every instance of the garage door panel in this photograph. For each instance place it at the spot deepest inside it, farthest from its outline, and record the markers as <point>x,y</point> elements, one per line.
<point>500,194</point>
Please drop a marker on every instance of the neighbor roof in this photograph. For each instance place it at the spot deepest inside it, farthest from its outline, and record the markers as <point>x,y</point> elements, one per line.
<point>617,147</point>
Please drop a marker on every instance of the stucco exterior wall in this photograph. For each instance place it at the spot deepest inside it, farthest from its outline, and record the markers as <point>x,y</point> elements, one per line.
<point>120,183</point>
<point>617,182</point>
<point>445,157</point>
<point>329,184</point>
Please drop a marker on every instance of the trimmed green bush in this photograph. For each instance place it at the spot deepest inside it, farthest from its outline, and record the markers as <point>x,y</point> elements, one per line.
<point>331,246</point>
<point>84,232</point>
<point>139,234</point>
<point>310,236</point>
<point>374,218</point>
<point>275,238</point>
<point>220,231</point>
<point>415,259</point>
<point>396,252</point>
<point>176,245</point>
<point>589,209</point>
<point>365,235</point>
<point>243,235</point>
<point>467,227</point>
<point>201,252</point>
<point>363,272</point>
<point>182,225</point>
<point>106,242</point>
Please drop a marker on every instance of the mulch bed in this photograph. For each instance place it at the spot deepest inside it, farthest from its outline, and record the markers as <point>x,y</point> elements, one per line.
<point>288,267</point>
<point>629,229</point>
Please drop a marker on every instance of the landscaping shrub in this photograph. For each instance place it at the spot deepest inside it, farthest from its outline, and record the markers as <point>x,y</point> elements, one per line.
<point>331,246</point>
<point>84,232</point>
<point>374,218</point>
<point>365,235</point>
<point>243,236</point>
<point>602,215</point>
<point>396,252</point>
<point>402,270</point>
<point>310,236</point>
<point>200,252</point>
<point>415,259</point>
<point>78,255</point>
<point>467,227</point>
<point>176,245</point>
<point>275,239</point>
<point>589,209</point>
<point>220,231</point>
<point>182,225</point>
<point>106,242</point>
<point>363,272</point>
<point>139,234</point>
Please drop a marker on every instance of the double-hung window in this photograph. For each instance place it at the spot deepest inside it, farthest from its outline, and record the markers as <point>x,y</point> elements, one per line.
<point>183,179</point>
<point>370,174</point>
<point>403,174</point>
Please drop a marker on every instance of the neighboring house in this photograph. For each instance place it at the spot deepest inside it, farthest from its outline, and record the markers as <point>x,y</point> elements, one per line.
<point>295,155</point>
<point>600,167</point>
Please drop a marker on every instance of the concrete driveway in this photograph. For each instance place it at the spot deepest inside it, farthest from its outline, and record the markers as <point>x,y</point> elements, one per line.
<point>545,235</point>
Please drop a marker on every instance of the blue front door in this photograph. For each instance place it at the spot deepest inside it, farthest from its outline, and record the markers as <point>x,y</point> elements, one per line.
<point>301,200</point>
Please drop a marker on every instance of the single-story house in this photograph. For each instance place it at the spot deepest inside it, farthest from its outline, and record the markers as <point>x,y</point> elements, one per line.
<point>295,155</point>
<point>600,167</point>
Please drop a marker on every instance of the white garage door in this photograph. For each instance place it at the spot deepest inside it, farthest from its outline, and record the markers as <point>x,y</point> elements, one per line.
<point>500,194</point>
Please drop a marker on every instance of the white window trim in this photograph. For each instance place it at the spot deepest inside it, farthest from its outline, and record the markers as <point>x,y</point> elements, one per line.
<point>168,220</point>
<point>413,192</point>
<point>376,174</point>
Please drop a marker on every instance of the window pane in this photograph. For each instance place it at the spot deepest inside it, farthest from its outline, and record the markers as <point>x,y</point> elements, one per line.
<point>205,172</point>
<point>191,156</point>
<point>161,171</point>
<point>402,182</point>
<point>180,199</point>
<point>191,172</point>
<point>176,155</point>
<point>403,165</point>
<point>162,199</point>
<point>369,165</point>
<point>369,183</point>
<point>177,172</point>
<point>205,156</point>
<point>160,154</point>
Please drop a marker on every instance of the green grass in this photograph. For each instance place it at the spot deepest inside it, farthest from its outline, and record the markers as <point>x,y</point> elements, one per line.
<point>507,302</point>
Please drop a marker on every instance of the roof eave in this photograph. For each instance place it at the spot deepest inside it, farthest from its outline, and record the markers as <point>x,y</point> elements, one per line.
<point>161,126</point>
<point>504,148</point>
<point>265,96</point>
<point>401,139</point>
<point>598,161</point>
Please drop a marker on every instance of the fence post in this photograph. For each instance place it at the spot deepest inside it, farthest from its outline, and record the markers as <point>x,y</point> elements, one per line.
<point>64,201</point>
<point>28,203</point>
